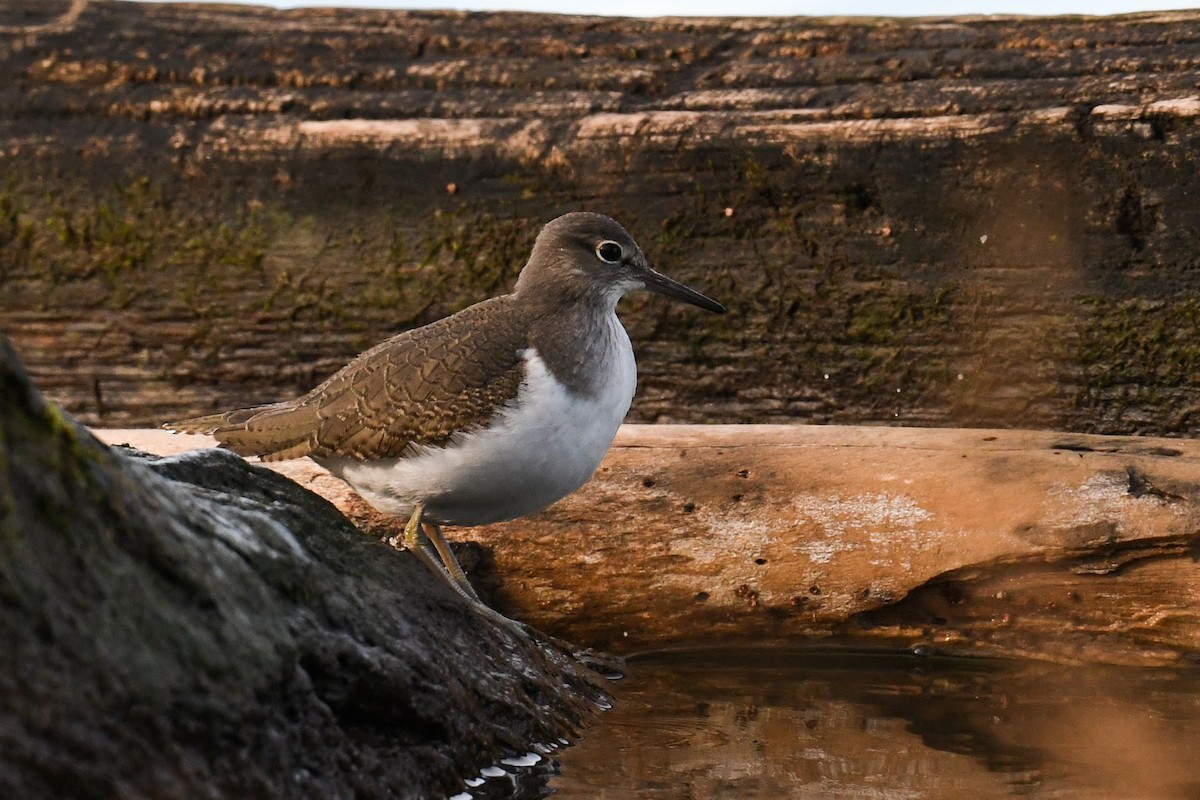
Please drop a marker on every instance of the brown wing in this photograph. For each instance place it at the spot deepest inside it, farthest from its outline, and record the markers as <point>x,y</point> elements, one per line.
<point>416,388</point>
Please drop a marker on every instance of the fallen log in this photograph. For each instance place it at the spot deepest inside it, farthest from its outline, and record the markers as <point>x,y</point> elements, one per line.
<point>1068,547</point>
<point>937,222</point>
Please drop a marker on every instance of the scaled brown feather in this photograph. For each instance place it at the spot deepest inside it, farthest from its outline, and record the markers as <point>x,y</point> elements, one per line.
<point>416,388</point>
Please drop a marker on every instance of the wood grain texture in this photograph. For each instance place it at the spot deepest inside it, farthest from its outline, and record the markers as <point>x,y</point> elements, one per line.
<point>943,222</point>
<point>1057,546</point>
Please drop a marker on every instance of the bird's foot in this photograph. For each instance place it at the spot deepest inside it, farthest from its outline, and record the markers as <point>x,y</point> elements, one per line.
<point>431,549</point>
<point>425,541</point>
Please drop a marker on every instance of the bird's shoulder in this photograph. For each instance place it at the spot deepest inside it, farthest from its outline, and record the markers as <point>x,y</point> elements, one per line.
<point>472,347</point>
<point>422,386</point>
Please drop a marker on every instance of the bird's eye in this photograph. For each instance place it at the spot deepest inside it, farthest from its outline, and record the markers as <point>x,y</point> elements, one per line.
<point>609,252</point>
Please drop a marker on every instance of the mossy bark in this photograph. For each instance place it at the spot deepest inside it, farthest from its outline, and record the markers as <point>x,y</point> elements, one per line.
<point>933,222</point>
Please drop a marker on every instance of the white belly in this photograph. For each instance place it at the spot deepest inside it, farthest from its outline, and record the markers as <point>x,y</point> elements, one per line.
<point>539,450</point>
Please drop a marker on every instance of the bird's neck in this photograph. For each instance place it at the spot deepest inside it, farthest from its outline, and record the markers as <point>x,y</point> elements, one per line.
<point>577,341</point>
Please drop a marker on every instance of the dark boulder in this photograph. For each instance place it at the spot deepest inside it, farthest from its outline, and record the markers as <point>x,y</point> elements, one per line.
<point>200,627</point>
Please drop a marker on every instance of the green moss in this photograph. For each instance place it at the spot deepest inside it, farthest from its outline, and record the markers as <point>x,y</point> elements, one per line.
<point>71,453</point>
<point>1137,353</point>
<point>129,242</point>
<point>55,441</point>
<point>885,319</point>
<point>7,505</point>
<point>115,235</point>
<point>468,253</point>
<point>756,176</point>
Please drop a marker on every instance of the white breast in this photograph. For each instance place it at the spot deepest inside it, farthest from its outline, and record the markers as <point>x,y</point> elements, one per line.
<point>540,449</point>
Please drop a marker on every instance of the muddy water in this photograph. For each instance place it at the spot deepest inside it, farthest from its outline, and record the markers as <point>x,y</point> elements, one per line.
<point>860,725</point>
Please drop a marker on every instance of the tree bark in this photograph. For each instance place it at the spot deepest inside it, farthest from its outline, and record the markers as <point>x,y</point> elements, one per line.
<point>947,222</point>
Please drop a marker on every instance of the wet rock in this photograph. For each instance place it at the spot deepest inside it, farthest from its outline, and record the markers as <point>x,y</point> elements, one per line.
<point>195,626</point>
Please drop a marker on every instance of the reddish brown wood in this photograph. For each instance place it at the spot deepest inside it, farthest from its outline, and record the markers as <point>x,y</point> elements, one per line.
<point>1051,545</point>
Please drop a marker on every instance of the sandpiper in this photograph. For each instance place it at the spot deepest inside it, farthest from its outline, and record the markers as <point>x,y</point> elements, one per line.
<point>487,415</point>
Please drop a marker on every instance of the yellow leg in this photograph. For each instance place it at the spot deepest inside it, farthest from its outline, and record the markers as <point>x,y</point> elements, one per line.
<point>418,543</point>
<point>434,532</point>
<point>413,540</point>
<point>427,549</point>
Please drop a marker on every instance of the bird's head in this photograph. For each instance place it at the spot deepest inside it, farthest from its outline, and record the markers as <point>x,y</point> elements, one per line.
<point>590,256</point>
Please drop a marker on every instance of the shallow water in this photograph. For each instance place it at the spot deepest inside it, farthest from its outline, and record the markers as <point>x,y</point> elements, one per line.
<point>862,725</point>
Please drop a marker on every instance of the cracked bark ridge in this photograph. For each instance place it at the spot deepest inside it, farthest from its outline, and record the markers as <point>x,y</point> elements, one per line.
<point>196,626</point>
<point>939,222</point>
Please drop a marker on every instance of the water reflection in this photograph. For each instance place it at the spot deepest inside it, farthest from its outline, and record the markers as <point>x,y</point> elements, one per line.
<point>778,725</point>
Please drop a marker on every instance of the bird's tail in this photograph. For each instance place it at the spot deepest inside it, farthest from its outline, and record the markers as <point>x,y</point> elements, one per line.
<point>265,431</point>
